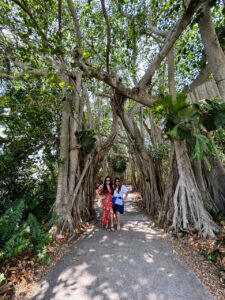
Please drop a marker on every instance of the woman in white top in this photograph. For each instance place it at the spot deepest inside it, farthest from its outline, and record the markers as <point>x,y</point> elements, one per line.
<point>119,195</point>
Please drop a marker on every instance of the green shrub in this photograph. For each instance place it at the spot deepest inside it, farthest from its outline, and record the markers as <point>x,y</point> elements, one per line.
<point>42,255</point>
<point>211,256</point>
<point>19,235</point>
<point>86,138</point>
<point>17,244</point>
<point>159,151</point>
<point>118,164</point>
<point>10,221</point>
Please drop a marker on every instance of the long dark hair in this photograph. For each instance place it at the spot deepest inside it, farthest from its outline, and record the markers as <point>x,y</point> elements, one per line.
<point>105,190</point>
<point>119,186</point>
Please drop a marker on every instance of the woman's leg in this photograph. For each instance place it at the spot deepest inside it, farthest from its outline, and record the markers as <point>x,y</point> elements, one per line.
<point>107,226</point>
<point>112,221</point>
<point>118,217</point>
<point>103,220</point>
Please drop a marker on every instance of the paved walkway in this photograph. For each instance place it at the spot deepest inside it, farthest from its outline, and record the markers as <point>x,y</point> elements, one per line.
<point>135,264</point>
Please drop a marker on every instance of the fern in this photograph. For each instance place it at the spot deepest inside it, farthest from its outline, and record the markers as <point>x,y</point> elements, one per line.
<point>35,230</point>
<point>17,244</point>
<point>17,235</point>
<point>38,237</point>
<point>50,222</point>
<point>10,221</point>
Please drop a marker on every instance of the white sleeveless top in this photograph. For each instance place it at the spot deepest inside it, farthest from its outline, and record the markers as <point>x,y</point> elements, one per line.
<point>122,191</point>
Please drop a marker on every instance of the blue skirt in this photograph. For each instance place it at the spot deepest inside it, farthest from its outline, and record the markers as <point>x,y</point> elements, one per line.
<point>119,208</point>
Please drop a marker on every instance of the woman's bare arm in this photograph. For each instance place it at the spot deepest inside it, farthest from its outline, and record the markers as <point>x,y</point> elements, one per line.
<point>125,195</point>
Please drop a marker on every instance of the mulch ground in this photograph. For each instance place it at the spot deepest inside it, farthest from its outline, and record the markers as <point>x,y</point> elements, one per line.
<point>210,273</point>
<point>23,272</point>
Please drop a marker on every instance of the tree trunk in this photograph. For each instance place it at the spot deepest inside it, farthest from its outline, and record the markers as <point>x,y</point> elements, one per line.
<point>198,169</point>
<point>216,58</point>
<point>214,52</point>
<point>151,196</point>
<point>167,207</point>
<point>133,173</point>
<point>62,201</point>
<point>77,169</point>
<point>189,210</point>
<point>215,179</point>
<point>156,139</point>
<point>208,201</point>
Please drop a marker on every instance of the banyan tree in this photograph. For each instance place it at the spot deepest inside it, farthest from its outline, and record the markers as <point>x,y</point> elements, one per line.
<point>147,74</point>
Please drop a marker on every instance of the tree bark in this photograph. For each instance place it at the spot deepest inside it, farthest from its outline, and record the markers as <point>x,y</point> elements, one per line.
<point>188,206</point>
<point>189,210</point>
<point>214,179</point>
<point>151,196</point>
<point>208,201</point>
<point>77,170</point>
<point>214,52</point>
<point>61,207</point>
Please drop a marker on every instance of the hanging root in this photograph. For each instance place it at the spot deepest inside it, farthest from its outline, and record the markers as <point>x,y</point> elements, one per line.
<point>64,223</point>
<point>189,210</point>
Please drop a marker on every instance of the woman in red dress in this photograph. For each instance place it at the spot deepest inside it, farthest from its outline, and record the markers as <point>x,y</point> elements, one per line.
<point>106,192</point>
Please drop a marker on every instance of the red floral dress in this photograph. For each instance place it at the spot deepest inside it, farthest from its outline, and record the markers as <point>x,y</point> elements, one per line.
<point>106,205</point>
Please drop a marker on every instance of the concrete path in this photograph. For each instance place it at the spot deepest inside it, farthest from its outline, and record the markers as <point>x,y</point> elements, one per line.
<point>135,264</point>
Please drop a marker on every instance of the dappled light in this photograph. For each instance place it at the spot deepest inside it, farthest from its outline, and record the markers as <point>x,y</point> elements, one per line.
<point>108,106</point>
<point>128,264</point>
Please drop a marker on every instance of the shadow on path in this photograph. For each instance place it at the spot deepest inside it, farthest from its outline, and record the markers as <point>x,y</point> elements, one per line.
<point>134,263</point>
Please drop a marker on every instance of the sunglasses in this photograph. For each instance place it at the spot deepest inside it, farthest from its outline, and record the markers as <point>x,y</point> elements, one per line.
<point>108,179</point>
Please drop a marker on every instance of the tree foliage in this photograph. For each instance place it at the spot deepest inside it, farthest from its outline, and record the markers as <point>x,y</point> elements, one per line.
<point>44,46</point>
<point>184,121</point>
<point>118,164</point>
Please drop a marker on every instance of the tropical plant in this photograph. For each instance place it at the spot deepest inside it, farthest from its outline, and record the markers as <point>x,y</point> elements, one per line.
<point>184,121</point>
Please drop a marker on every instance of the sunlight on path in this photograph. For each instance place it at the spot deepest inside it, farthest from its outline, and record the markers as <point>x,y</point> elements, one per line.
<point>134,263</point>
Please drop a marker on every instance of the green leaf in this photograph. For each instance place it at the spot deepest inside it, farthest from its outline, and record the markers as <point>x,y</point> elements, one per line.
<point>203,147</point>
<point>62,84</point>
<point>175,132</point>
<point>188,114</point>
<point>180,102</point>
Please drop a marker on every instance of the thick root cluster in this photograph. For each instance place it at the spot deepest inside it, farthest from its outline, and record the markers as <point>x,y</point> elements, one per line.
<point>189,210</point>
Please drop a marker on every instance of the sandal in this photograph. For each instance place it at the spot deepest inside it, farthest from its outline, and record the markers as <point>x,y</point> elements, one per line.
<point>112,228</point>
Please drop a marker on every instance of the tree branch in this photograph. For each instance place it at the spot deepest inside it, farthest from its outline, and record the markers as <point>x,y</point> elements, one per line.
<point>60,18</point>
<point>200,79</point>
<point>108,29</point>
<point>110,79</point>
<point>74,15</point>
<point>27,10</point>
<point>113,133</point>
<point>154,29</point>
<point>88,105</point>
<point>118,154</point>
<point>38,72</point>
<point>134,110</point>
<point>170,40</point>
<point>147,129</point>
